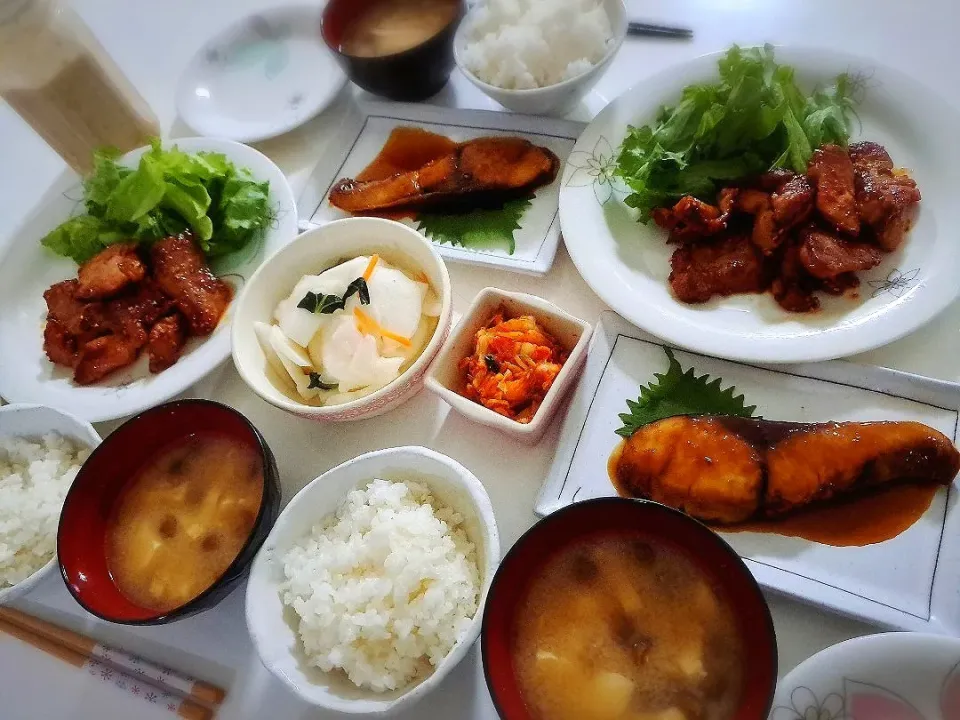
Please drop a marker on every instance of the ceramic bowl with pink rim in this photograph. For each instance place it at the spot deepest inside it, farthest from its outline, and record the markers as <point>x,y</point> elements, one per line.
<point>313,252</point>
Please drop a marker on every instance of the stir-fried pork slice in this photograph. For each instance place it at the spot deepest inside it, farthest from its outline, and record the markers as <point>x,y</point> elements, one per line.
<point>182,273</point>
<point>165,342</point>
<point>793,287</point>
<point>64,307</point>
<point>104,355</point>
<point>832,172</point>
<point>59,345</point>
<point>690,219</point>
<point>826,255</point>
<point>792,202</point>
<point>131,312</point>
<point>727,266</point>
<point>886,199</point>
<point>109,272</point>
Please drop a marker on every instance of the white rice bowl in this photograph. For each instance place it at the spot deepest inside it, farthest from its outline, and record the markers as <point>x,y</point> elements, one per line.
<point>385,587</point>
<point>34,478</point>
<point>526,44</point>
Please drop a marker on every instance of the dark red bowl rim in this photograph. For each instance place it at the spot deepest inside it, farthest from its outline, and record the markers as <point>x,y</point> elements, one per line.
<point>652,506</point>
<point>194,603</point>
<point>392,56</point>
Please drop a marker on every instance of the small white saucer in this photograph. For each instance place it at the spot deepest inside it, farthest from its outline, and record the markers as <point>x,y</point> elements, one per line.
<point>261,77</point>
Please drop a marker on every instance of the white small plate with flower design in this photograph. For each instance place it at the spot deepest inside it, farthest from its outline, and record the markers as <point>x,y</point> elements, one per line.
<point>627,264</point>
<point>261,77</point>
<point>892,676</point>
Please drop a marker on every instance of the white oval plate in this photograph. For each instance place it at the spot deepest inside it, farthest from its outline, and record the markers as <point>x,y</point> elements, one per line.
<point>627,264</point>
<point>26,375</point>
<point>261,77</point>
<point>893,676</point>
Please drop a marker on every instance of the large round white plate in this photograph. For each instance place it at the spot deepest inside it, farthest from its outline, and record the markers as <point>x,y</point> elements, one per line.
<point>894,676</point>
<point>26,375</point>
<point>261,77</point>
<point>627,264</point>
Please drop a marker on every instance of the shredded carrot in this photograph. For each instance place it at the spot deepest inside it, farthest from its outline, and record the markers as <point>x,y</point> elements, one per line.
<point>374,259</point>
<point>368,326</point>
<point>422,277</point>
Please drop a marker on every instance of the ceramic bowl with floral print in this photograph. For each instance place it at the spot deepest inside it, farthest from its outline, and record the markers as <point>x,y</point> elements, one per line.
<point>891,676</point>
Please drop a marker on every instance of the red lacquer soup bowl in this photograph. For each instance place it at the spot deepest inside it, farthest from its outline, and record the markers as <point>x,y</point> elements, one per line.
<point>92,499</point>
<point>659,525</point>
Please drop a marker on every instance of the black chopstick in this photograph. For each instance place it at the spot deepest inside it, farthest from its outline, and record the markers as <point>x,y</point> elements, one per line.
<point>652,30</point>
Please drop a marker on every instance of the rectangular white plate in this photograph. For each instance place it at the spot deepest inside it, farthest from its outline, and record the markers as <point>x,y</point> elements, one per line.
<point>362,137</point>
<point>908,583</point>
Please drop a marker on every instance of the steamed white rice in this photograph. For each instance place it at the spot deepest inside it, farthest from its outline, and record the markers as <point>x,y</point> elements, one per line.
<point>385,587</point>
<point>34,479</point>
<point>524,44</point>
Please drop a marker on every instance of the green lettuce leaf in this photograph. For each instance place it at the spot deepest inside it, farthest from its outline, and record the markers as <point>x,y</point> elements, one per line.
<point>169,191</point>
<point>753,119</point>
<point>81,238</point>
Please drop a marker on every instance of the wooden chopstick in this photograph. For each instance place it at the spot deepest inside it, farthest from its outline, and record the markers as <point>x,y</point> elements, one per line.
<point>164,678</point>
<point>176,705</point>
<point>654,30</point>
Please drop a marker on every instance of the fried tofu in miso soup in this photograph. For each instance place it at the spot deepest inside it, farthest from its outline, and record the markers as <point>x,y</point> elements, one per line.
<point>622,628</point>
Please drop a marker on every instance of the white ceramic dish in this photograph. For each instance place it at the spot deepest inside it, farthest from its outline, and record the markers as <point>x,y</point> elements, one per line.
<point>270,627</point>
<point>261,77</point>
<point>28,269</point>
<point>906,583</point>
<point>445,379</point>
<point>34,421</point>
<point>363,135</point>
<point>315,251</point>
<point>894,676</point>
<point>556,99</point>
<point>627,264</point>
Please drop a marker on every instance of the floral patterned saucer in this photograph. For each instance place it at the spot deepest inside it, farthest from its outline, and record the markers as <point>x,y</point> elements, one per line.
<point>892,676</point>
<point>261,77</point>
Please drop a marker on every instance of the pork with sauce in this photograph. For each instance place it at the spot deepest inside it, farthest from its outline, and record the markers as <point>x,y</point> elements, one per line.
<point>109,272</point>
<point>728,266</point>
<point>730,470</point>
<point>886,199</point>
<point>181,272</point>
<point>118,307</point>
<point>809,233</point>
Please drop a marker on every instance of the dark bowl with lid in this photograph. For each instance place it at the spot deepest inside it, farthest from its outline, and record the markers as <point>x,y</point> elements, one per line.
<point>117,461</point>
<point>659,524</point>
<point>411,75</point>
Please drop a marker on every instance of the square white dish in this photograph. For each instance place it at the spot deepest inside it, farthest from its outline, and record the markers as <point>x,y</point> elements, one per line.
<point>361,137</point>
<point>445,379</point>
<point>908,583</point>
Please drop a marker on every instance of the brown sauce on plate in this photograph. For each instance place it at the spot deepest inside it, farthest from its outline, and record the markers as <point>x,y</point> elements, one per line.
<point>854,522</point>
<point>406,149</point>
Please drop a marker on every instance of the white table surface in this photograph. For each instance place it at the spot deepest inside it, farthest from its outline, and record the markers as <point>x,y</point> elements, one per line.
<point>152,41</point>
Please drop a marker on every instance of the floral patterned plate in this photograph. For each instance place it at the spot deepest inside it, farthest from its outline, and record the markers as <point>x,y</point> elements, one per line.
<point>893,676</point>
<point>627,264</point>
<point>262,77</point>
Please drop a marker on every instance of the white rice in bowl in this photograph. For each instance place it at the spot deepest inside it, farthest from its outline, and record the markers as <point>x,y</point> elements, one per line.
<point>525,44</point>
<point>384,587</point>
<point>34,478</point>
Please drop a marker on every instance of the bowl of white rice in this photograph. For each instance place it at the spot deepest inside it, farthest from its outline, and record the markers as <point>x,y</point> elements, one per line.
<point>539,56</point>
<point>41,451</point>
<point>371,586</point>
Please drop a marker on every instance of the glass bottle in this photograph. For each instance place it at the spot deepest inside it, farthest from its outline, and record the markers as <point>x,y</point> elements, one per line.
<point>59,79</point>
